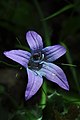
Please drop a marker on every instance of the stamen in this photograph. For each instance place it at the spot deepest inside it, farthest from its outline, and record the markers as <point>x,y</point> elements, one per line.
<point>35,62</point>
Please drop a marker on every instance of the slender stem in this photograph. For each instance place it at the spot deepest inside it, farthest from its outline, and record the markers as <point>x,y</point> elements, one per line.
<point>69,65</point>
<point>44,95</point>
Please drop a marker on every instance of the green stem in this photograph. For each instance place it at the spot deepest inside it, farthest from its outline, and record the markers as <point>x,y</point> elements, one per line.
<point>44,95</point>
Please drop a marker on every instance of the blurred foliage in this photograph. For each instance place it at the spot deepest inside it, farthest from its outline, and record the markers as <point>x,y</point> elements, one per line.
<point>17,17</point>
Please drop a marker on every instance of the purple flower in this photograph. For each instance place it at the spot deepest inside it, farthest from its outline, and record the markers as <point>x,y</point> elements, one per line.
<point>38,63</point>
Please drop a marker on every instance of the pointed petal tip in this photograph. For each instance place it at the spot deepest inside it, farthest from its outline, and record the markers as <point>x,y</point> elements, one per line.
<point>67,88</point>
<point>26,97</point>
<point>65,85</point>
<point>5,53</point>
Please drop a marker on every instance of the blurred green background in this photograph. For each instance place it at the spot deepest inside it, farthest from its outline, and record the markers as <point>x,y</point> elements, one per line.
<point>58,22</point>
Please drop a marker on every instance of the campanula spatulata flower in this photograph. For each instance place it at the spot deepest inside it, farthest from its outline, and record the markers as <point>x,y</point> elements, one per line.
<point>38,63</point>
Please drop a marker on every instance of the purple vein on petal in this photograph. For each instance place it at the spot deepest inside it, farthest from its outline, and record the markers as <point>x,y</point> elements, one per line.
<point>53,52</point>
<point>58,74</point>
<point>20,56</point>
<point>34,83</point>
<point>34,40</point>
<point>50,69</point>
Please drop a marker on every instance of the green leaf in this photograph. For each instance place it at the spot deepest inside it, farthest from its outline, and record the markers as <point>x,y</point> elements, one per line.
<point>59,12</point>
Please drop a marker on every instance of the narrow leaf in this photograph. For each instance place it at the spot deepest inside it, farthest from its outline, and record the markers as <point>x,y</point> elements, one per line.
<point>58,12</point>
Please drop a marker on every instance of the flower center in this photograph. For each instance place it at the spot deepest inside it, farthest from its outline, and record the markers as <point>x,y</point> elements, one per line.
<point>35,61</point>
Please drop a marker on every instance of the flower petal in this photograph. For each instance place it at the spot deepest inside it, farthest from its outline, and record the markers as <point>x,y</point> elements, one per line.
<point>54,74</point>
<point>19,56</point>
<point>53,52</point>
<point>34,40</point>
<point>34,83</point>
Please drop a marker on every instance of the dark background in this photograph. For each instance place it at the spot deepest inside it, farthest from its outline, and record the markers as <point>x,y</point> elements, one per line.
<point>16,18</point>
